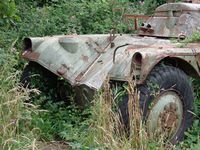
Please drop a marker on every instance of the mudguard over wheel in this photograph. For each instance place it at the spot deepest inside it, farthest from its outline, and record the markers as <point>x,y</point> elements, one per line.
<point>166,102</point>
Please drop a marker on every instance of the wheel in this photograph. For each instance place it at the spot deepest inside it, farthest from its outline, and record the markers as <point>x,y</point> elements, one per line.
<point>166,103</point>
<point>35,76</point>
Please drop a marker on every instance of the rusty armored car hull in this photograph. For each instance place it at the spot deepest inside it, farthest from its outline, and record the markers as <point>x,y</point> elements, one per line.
<point>150,58</point>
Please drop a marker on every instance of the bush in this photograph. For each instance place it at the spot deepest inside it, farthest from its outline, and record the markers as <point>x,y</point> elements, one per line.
<point>7,12</point>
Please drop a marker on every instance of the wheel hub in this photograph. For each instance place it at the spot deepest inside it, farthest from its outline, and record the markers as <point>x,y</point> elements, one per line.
<point>169,117</point>
<point>166,114</point>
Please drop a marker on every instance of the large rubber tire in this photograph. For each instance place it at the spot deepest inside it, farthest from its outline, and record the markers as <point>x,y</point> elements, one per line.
<point>167,78</point>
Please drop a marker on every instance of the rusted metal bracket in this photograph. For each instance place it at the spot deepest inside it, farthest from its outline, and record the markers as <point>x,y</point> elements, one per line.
<point>128,18</point>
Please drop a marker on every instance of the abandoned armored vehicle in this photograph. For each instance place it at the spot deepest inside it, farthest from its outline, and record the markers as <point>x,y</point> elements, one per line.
<point>159,67</point>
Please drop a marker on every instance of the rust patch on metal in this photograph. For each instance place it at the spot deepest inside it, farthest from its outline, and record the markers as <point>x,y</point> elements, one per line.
<point>79,77</point>
<point>62,70</point>
<point>169,117</point>
<point>29,55</point>
<point>85,58</point>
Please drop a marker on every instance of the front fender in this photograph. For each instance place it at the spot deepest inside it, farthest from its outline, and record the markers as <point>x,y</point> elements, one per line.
<point>65,56</point>
<point>152,58</point>
<point>76,58</point>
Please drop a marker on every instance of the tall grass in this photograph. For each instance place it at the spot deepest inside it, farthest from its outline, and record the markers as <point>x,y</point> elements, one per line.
<point>13,111</point>
<point>106,130</point>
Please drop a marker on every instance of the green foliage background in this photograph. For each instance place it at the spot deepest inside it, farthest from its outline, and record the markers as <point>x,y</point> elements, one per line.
<point>21,123</point>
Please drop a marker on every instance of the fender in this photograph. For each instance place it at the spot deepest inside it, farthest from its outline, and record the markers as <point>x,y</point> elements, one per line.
<point>183,58</point>
<point>73,57</point>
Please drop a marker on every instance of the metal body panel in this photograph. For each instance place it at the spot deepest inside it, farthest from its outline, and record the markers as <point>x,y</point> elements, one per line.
<point>66,61</point>
<point>89,59</point>
<point>90,67</point>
